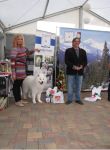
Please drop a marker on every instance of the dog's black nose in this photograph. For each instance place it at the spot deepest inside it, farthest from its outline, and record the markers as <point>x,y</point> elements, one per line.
<point>41,82</point>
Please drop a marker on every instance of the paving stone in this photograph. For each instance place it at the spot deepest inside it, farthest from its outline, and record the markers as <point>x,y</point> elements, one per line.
<point>27,125</point>
<point>31,136</point>
<point>20,145</point>
<point>32,145</point>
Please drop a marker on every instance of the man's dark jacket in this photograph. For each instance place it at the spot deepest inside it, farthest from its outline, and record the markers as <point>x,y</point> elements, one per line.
<point>72,59</point>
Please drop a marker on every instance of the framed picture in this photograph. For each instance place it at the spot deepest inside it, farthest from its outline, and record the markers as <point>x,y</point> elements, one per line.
<point>38,60</point>
<point>45,41</point>
<point>49,59</point>
<point>68,36</point>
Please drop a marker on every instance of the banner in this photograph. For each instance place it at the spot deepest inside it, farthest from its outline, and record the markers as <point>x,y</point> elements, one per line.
<point>44,58</point>
<point>97,46</point>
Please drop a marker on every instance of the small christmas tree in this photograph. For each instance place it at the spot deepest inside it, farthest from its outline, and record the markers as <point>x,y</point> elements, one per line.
<point>60,81</point>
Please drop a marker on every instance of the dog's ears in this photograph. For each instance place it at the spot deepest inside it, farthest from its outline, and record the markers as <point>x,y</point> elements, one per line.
<point>40,71</point>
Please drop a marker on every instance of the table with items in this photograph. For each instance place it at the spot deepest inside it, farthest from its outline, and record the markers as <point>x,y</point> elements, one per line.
<point>5,83</point>
<point>5,88</point>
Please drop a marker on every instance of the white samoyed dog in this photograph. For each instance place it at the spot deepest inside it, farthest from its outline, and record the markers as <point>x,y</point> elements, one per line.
<point>33,86</point>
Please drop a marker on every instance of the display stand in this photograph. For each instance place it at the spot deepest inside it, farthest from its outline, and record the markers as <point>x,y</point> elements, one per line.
<point>5,88</point>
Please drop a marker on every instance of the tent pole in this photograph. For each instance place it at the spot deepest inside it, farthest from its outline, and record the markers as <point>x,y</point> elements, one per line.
<point>81,24</point>
<point>81,17</point>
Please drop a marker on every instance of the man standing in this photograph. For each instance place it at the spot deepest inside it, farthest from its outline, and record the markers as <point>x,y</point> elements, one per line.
<point>75,60</point>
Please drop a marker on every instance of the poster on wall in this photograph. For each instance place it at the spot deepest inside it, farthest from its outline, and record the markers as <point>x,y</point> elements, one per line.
<point>44,57</point>
<point>97,46</point>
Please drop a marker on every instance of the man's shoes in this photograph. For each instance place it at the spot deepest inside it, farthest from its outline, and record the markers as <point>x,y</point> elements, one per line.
<point>68,102</point>
<point>24,102</point>
<point>80,102</point>
<point>19,104</point>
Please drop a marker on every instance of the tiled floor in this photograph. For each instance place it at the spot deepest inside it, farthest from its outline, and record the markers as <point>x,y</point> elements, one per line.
<point>56,126</point>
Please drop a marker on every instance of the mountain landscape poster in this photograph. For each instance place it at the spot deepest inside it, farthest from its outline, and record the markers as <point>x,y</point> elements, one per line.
<point>97,46</point>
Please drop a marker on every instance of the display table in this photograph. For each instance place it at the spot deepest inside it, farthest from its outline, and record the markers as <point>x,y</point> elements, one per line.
<point>5,88</point>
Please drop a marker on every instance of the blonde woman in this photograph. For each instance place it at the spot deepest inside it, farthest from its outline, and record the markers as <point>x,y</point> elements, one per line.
<point>18,65</point>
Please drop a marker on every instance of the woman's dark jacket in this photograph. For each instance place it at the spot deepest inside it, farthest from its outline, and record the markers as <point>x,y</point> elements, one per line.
<point>72,59</point>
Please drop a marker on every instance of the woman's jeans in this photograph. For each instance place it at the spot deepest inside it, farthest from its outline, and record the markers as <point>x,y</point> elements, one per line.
<point>17,89</point>
<point>74,83</point>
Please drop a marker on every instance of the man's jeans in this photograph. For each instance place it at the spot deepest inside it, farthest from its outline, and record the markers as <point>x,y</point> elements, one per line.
<point>74,83</point>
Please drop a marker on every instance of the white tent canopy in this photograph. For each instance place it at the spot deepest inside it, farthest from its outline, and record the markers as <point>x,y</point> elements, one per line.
<point>15,13</point>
